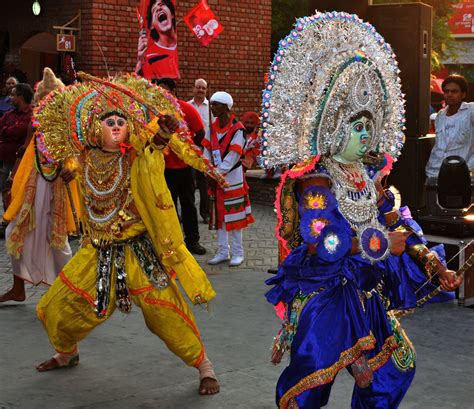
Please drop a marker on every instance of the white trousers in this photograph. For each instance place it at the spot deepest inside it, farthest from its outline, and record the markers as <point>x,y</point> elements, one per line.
<point>223,242</point>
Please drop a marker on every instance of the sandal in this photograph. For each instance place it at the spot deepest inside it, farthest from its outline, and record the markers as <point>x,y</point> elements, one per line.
<point>53,363</point>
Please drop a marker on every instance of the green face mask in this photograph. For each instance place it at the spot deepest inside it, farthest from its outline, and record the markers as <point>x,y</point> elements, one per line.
<point>361,132</point>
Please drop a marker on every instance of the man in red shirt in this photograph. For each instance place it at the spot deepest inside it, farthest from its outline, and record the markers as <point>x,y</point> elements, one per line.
<point>179,176</point>
<point>13,130</point>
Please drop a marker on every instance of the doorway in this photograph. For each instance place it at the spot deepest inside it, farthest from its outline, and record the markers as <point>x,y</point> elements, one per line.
<point>37,52</point>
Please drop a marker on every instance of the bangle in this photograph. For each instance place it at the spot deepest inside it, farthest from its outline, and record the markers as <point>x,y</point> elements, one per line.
<point>395,220</point>
<point>432,264</point>
<point>427,259</point>
<point>418,251</point>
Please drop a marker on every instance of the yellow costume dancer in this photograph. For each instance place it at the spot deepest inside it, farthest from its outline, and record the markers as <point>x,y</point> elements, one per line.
<point>133,246</point>
<point>40,216</point>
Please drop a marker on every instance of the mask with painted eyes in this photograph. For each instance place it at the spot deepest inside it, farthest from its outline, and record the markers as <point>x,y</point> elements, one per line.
<point>361,132</point>
<point>114,132</point>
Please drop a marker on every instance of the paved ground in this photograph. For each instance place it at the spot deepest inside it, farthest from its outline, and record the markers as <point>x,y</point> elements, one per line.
<point>123,365</point>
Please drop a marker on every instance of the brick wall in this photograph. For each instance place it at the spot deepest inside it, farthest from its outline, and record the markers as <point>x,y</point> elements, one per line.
<point>235,62</point>
<point>238,59</point>
<point>262,191</point>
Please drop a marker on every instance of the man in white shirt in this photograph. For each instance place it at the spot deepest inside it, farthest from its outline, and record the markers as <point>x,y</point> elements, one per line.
<point>454,126</point>
<point>201,103</point>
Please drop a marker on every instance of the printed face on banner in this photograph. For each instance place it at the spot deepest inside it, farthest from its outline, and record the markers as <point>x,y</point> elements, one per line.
<point>158,41</point>
<point>162,19</point>
<point>203,23</point>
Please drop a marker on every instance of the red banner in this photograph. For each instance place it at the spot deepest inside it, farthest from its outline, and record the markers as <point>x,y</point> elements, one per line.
<point>461,22</point>
<point>158,39</point>
<point>202,22</point>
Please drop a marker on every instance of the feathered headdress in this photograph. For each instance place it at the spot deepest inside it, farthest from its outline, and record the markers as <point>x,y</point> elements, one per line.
<point>76,112</point>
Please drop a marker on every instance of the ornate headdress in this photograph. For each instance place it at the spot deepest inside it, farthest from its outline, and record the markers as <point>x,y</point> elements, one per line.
<point>331,67</point>
<point>71,118</point>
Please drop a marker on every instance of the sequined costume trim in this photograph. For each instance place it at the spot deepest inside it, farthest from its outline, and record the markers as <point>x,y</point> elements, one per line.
<point>384,355</point>
<point>324,376</point>
<point>59,224</point>
<point>404,356</point>
<point>25,220</point>
<point>285,336</point>
<point>113,258</point>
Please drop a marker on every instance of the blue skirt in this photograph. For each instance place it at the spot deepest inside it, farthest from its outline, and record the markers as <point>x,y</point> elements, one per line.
<point>343,321</point>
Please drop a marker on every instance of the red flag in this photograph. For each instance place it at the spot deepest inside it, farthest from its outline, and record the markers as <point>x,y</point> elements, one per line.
<point>202,22</point>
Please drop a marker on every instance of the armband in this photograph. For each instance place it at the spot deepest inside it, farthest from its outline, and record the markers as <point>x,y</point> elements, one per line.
<point>432,265</point>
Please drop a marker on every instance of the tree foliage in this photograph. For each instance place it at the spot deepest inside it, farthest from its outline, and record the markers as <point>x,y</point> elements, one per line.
<point>443,45</point>
<point>285,13</point>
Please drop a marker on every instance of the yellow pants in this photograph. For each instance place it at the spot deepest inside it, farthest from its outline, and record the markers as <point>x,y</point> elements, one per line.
<point>67,309</point>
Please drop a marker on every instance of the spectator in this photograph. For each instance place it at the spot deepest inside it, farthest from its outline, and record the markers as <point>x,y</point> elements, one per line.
<point>179,176</point>
<point>252,145</point>
<point>224,148</point>
<point>14,128</point>
<point>5,101</point>
<point>201,103</point>
<point>432,123</point>
<point>454,126</point>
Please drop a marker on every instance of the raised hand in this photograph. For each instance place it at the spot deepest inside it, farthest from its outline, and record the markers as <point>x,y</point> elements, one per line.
<point>448,280</point>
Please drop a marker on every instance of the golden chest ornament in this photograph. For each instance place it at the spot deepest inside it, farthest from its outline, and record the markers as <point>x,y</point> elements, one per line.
<point>107,195</point>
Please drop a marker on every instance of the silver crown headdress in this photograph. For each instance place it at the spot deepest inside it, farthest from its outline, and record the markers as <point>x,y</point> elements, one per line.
<point>331,67</point>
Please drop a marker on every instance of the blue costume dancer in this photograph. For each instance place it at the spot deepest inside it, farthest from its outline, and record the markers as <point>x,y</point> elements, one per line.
<point>333,105</point>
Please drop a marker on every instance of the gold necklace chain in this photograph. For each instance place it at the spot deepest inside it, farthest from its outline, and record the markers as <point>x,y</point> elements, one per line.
<point>107,196</point>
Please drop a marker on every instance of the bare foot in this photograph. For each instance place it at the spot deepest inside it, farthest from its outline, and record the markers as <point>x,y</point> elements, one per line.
<point>209,386</point>
<point>13,296</point>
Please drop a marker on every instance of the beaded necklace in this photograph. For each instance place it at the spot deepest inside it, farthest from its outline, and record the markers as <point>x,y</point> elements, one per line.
<point>357,202</point>
<point>107,194</point>
<point>355,192</point>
